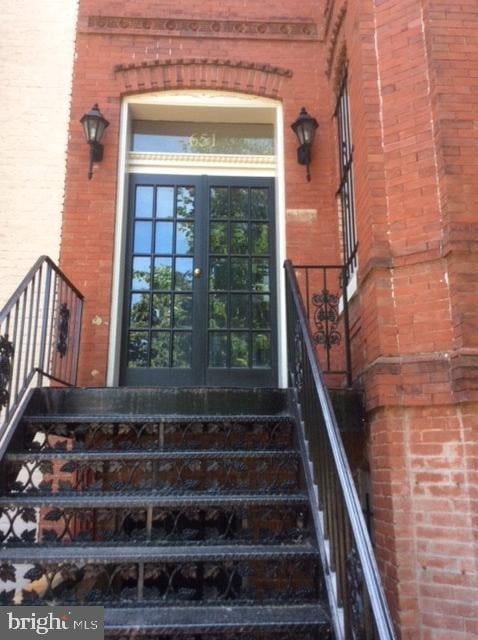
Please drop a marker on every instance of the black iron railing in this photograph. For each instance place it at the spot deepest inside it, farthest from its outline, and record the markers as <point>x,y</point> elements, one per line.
<point>39,335</point>
<point>359,608</point>
<point>326,305</point>
<point>345,192</point>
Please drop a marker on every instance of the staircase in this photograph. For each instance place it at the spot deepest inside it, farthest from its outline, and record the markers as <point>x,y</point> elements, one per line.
<point>183,512</point>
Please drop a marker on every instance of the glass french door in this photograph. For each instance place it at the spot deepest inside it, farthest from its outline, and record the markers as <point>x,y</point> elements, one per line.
<point>200,290</point>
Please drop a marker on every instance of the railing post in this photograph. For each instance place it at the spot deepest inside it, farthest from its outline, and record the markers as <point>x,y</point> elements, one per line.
<point>76,340</point>
<point>348,353</point>
<point>44,329</point>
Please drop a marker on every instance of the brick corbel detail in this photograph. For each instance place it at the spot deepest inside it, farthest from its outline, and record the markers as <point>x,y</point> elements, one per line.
<point>328,13</point>
<point>202,73</point>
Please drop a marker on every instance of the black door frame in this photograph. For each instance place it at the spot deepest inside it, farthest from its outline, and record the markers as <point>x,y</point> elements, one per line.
<point>200,374</point>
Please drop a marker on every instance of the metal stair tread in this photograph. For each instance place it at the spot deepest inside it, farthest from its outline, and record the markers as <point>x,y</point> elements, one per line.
<point>152,553</point>
<point>159,417</point>
<point>134,454</point>
<point>201,618</point>
<point>139,499</point>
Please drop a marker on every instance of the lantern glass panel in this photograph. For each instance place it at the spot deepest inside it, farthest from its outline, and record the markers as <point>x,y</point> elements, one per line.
<point>86,129</point>
<point>93,129</point>
<point>100,128</point>
<point>300,131</point>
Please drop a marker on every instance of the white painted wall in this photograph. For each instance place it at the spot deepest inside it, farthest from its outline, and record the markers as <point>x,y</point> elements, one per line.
<point>36,59</point>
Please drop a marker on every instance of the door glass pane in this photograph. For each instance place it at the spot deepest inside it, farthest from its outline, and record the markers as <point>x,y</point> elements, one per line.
<point>164,237</point>
<point>239,238</point>
<point>239,273</point>
<point>160,349</point>
<point>217,311</point>
<point>141,277</point>
<point>243,306</point>
<point>161,316</point>
<point>218,274</point>
<point>261,312</point>
<point>218,238</point>
<point>185,202</point>
<point>239,202</point>
<point>239,314</point>
<point>185,238</point>
<point>138,349</point>
<point>182,351</point>
<point>219,202</point>
<point>183,311</point>
<point>239,349</point>
<point>165,202</point>
<point>260,239</point>
<point>218,350</point>
<point>259,205</point>
<point>260,274</point>
<point>163,271</point>
<point>183,280</point>
<point>142,237</point>
<point>261,351</point>
<point>139,310</point>
<point>144,202</point>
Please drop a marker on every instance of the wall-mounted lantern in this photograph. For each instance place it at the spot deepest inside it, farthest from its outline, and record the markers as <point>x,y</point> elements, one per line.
<point>94,125</point>
<point>304,128</point>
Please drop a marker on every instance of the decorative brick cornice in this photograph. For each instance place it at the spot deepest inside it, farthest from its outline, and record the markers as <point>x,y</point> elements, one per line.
<point>202,73</point>
<point>334,39</point>
<point>197,28</point>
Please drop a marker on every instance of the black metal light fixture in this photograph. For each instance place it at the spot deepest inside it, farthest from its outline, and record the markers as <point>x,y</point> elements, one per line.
<point>304,128</point>
<point>94,125</point>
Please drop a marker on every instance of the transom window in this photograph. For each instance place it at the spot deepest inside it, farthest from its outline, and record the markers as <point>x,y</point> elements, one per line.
<point>202,137</point>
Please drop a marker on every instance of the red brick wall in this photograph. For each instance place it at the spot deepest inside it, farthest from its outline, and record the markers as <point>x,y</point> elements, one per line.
<point>88,224</point>
<point>413,90</point>
<point>413,84</point>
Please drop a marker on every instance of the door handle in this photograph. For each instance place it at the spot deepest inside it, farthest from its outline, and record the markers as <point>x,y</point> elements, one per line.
<point>197,272</point>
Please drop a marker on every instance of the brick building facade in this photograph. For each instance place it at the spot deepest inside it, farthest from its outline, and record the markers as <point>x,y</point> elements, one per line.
<point>411,69</point>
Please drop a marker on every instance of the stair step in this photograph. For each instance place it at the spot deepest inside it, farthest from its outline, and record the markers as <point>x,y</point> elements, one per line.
<point>262,521</point>
<point>166,472</point>
<point>147,454</point>
<point>207,620</point>
<point>150,499</point>
<point>153,553</point>
<point>154,400</point>
<point>160,417</point>
<point>141,575</point>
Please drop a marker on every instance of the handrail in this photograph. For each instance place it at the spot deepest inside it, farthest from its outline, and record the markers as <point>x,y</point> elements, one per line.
<point>39,335</point>
<point>359,593</point>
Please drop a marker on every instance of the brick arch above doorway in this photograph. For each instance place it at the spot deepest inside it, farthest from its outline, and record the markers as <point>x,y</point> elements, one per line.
<point>202,73</point>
